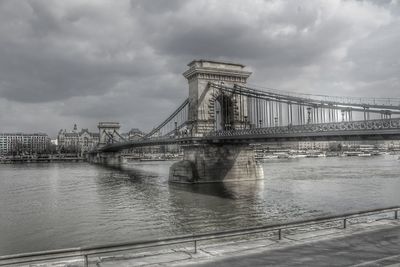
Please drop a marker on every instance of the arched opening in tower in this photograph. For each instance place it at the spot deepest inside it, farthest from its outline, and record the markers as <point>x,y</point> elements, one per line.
<point>223,113</point>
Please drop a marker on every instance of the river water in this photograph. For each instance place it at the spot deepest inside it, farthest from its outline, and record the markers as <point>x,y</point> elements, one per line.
<point>61,205</point>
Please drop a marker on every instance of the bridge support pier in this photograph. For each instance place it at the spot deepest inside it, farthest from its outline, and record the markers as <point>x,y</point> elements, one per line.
<point>216,163</point>
<point>113,159</point>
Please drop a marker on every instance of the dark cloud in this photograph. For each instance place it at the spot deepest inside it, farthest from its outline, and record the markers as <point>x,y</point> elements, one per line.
<point>157,6</point>
<point>65,62</point>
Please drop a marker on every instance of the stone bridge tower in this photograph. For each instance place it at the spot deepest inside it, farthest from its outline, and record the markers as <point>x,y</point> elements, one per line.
<point>208,107</point>
<point>108,132</point>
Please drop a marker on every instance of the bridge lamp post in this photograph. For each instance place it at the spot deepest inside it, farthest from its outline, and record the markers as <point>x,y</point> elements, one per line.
<point>216,120</point>
<point>309,115</point>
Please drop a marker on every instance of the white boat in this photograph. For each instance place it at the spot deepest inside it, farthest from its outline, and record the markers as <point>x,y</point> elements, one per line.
<point>283,156</point>
<point>152,159</point>
<point>315,155</point>
<point>351,153</point>
<point>297,156</point>
<point>364,155</point>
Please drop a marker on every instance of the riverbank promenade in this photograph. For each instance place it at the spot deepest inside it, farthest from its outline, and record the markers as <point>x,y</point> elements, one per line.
<point>376,246</point>
<point>347,242</point>
<point>372,244</point>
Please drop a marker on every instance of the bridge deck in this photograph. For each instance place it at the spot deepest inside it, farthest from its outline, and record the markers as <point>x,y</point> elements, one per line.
<point>355,130</point>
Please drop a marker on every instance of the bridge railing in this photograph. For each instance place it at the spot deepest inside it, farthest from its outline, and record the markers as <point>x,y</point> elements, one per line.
<point>86,252</point>
<point>321,127</point>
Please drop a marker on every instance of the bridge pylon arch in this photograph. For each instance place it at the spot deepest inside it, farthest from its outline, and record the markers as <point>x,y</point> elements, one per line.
<point>224,112</point>
<point>204,99</point>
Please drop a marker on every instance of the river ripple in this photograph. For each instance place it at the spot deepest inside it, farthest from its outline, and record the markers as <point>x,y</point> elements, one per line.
<point>60,205</point>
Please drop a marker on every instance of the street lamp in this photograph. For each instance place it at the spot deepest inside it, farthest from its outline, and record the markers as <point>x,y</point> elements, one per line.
<point>216,120</point>
<point>309,115</point>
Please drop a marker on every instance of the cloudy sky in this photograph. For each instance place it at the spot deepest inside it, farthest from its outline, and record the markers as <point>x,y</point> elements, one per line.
<point>65,62</point>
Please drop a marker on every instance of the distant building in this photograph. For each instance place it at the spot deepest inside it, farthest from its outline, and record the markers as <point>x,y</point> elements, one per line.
<point>394,144</point>
<point>135,134</point>
<point>77,142</point>
<point>313,145</point>
<point>23,143</point>
<point>361,145</point>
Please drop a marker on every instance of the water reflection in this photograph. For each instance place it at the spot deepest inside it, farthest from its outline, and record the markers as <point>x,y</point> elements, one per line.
<point>229,190</point>
<point>50,206</point>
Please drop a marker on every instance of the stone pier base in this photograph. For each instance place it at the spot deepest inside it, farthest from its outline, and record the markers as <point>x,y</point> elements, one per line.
<point>109,159</point>
<point>216,163</point>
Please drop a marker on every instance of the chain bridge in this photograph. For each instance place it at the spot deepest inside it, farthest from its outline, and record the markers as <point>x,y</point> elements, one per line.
<point>223,115</point>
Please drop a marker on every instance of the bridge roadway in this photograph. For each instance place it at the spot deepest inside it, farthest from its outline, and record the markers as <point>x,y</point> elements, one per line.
<point>338,131</point>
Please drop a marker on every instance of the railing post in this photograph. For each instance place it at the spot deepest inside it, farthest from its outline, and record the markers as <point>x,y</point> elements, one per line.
<point>195,246</point>
<point>85,260</point>
<point>280,234</point>
<point>396,214</point>
<point>344,223</point>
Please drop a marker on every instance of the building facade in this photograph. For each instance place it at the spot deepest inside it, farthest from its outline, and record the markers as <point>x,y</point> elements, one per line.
<point>331,145</point>
<point>76,142</point>
<point>135,134</point>
<point>23,143</point>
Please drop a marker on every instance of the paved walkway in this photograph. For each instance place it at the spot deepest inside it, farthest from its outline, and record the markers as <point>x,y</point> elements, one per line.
<point>368,244</point>
<point>374,248</point>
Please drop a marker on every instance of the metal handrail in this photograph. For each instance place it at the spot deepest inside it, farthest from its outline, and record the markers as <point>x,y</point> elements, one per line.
<point>194,238</point>
<point>378,124</point>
